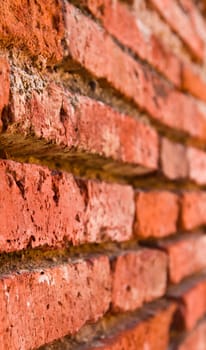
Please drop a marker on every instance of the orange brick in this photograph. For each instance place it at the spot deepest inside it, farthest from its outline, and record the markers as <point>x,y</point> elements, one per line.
<point>182,23</point>
<point>98,53</point>
<point>41,305</point>
<point>193,210</point>
<point>54,209</point>
<point>186,255</point>
<point>156,214</point>
<point>138,277</point>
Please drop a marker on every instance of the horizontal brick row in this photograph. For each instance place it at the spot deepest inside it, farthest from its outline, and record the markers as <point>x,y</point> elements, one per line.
<point>130,30</point>
<point>82,125</point>
<point>185,20</point>
<point>73,121</point>
<point>54,208</point>
<point>58,300</point>
<point>133,79</point>
<point>191,297</point>
<point>42,305</point>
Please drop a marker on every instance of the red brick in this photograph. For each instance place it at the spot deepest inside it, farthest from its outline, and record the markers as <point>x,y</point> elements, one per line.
<point>196,340</point>
<point>41,305</point>
<point>183,24</point>
<point>138,36</point>
<point>74,121</point>
<point>98,53</point>
<point>138,277</point>
<point>52,208</point>
<point>186,255</point>
<point>120,22</point>
<point>191,297</point>
<point>150,332</point>
<point>193,81</point>
<point>109,213</point>
<point>135,34</point>
<point>174,162</point>
<point>193,210</point>
<point>33,27</point>
<point>156,214</point>
<point>197,165</point>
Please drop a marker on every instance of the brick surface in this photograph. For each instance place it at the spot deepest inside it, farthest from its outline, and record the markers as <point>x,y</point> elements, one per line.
<point>138,277</point>
<point>53,208</point>
<point>174,164</point>
<point>183,23</point>
<point>35,28</point>
<point>191,296</point>
<point>74,121</point>
<point>193,209</point>
<point>194,81</point>
<point>150,332</point>
<point>132,31</point>
<point>133,79</point>
<point>129,29</point>
<point>38,306</point>
<point>156,214</point>
<point>197,165</point>
<point>186,255</point>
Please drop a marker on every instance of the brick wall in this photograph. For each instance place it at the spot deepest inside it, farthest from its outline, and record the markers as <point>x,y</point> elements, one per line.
<point>103,175</point>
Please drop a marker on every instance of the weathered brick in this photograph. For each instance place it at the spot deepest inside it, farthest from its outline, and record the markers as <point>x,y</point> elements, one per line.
<point>138,277</point>
<point>33,27</point>
<point>41,305</point>
<point>174,162</point>
<point>53,208</point>
<point>109,212</point>
<point>133,33</point>
<point>151,331</point>
<point>183,23</point>
<point>156,214</point>
<point>131,30</point>
<point>193,210</point>
<point>186,255</point>
<point>74,121</point>
<point>191,296</point>
<point>98,53</point>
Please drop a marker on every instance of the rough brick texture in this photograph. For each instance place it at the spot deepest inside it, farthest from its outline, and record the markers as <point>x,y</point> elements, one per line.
<point>34,27</point>
<point>53,208</point>
<point>102,175</point>
<point>138,277</point>
<point>39,301</point>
